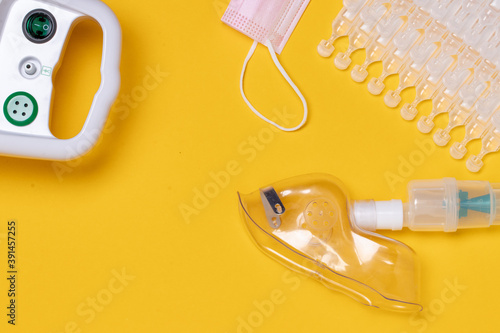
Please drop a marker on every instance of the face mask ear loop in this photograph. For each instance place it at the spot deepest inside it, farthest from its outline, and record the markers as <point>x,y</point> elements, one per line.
<point>287,78</point>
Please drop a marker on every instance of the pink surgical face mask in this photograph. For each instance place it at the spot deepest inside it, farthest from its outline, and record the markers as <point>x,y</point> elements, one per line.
<point>269,22</point>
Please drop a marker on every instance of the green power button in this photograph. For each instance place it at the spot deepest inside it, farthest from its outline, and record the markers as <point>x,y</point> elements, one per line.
<point>39,26</point>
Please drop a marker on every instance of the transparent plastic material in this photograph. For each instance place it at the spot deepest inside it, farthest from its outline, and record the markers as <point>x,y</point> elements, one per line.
<point>448,205</point>
<point>311,233</point>
<point>448,50</point>
<point>434,205</point>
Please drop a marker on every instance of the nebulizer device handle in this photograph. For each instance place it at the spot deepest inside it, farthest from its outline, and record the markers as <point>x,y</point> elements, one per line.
<point>437,205</point>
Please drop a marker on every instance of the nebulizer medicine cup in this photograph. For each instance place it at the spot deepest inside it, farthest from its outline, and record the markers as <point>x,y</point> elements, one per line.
<point>496,191</point>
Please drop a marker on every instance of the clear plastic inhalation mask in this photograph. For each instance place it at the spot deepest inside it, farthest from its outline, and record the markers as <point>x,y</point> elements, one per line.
<point>271,23</point>
<point>305,224</point>
<point>308,224</point>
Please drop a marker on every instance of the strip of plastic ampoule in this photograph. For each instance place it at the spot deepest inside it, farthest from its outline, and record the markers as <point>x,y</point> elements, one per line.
<point>432,84</point>
<point>490,49</point>
<point>358,38</point>
<point>475,21</point>
<point>453,81</point>
<point>380,48</point>
<point>469,95</point>
<point>462,18</point>
<point>421,3</point>
<point>484,76</point>
<point>359,35</point>
<point>346,20</point>
<point>458,116</point>
<point>374,52</point>
<point>414,70</point>
<point>442,9</point>
<point>491,144</point>
<point>478,125</point>
<point>398,57</point>
<point>385,26</point>
<point>480,28</point>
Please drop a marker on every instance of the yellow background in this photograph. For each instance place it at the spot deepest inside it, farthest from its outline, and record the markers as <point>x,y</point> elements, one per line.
<point>118,209</point>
